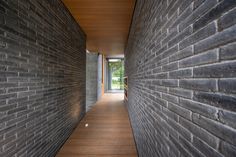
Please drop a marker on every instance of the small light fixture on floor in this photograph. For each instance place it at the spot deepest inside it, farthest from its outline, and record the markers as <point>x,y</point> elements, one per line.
<point>86,125</point>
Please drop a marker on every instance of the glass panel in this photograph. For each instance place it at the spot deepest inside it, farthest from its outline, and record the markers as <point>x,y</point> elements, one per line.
<point>116,69</point>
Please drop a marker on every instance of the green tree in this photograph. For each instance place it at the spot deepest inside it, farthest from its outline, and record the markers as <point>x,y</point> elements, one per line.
<point>117,69</point>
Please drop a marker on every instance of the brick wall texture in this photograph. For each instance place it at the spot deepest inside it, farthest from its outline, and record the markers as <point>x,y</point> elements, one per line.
<point>181,66</point>
<point>42,77</point>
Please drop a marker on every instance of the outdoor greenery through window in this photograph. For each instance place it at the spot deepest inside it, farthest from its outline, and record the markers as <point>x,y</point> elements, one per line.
<point>116,70</point>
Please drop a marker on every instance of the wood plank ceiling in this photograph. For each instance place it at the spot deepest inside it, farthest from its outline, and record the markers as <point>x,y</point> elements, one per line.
<point>105,22</point>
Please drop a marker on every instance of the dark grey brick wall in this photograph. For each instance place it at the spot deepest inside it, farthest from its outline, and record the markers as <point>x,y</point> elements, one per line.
<point>42,77</point>
<point>181,64</point>
<point>91,79</point>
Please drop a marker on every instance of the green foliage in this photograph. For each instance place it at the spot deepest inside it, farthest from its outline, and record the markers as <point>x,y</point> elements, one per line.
<point>117,69</point>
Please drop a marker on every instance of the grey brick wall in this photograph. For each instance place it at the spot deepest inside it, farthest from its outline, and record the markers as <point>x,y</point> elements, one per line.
<point>91,79</point>
<point>181,63</point>
<point>42,77</point>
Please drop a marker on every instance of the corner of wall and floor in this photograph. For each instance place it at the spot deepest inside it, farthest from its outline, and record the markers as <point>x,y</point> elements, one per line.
<point>42,76</point>
<point>181,67</point>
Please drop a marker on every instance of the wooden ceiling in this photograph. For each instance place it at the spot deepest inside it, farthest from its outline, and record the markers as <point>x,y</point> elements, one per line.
<point>105,22</point>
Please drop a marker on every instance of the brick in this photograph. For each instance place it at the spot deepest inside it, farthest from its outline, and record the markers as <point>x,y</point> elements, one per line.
<point>2,102</point>
<point>197,107</point>
<point>2,91</point>
<point>170,83</point>
<point>184,5</point>
<point>181,130</point>
<point>202,134</point>
<point>17,69</point>
<point>172,8</point>
<point>198,12</point>
<point>170,67</point>
<point>227,149</point>
<point>183,73</point>
<point>7,107</point>
<point>216,128</point>
<point>204,148</point>
<point>24,94</point>
<point>171,33</point>
<point>181,36</point>
<point>199,84</point>
<point>17,79</point>
<point>183,151</point>
<point>170,19</point>
<point>227,20</point>
<point>227,118</point>
<point>8,74</point>
<point>17,59</point>
<point>161,102</point>
<point>181,92</point>
<point>188,51</point>
<point>27,74</point>
<point>2,9</point>
<point>163,61</point>
<point>162,49</point>
<point>3,68</point>
<point>171,115</point>
<point>222,7</point>
<point>169,51</point>
<point>170,98</point>
<point>198,3</point>
<point>228,52</point>
<point>224,70</point>
<point>5,119</point>
<point>161,76</point>
<point>3,44</point>
<point>157,70</point>
<point>3,79</point>
<point>7,63</point>
<point>17,120</point>
<point>179,110</point>
<point>199,35</point>
<point>2,56</point>
<point>161,89</point>
<point>190,147</point>
<point>8,85</point>
<point>8,96</point>
<point>18,109</point>
<point>182,15</point>
<point>18,89</point>
<point>5,141</point>
<point>218,100</point>
<point>205,58</point>
<point>227,85</point>
<point>224,37</point>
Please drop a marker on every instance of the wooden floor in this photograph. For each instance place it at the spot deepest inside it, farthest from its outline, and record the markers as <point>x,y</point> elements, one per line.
<point>108,133</point>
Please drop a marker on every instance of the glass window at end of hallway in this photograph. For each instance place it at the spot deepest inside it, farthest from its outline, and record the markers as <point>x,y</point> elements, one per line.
<point>116,74</point>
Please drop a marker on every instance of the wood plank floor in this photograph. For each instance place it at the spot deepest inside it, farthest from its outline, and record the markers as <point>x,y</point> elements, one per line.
<point>108,133</point>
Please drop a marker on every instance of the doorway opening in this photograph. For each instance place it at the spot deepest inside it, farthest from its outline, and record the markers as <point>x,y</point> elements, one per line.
<point>115,74</point>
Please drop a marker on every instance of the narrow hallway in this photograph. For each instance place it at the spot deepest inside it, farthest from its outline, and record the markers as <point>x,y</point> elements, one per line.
<point>66,67</point>
<point>108,132</point>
